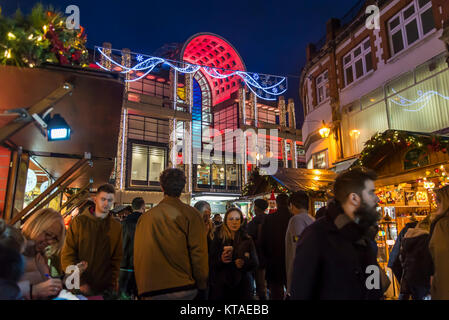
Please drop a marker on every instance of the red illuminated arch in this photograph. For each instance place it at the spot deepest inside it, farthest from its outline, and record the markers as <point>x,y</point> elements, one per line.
<point>211,50</point>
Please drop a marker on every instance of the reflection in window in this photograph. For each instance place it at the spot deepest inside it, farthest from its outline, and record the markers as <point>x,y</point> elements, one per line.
<point>232,180</point>
<point>147,163</point>
<point>320,160</point>
<point>218,175</point>
<point>203,175</point>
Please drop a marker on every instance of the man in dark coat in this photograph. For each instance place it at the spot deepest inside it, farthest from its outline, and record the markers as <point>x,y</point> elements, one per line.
<point>273,247</point>
<point>127,279</point>
<point>336,257</point>
<point>255,230</point>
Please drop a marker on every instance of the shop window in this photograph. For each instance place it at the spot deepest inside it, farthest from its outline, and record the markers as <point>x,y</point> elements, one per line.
<point>410,25</point>
<point>320,160</point>
<point>358,62</point>
<point>218,176</point>
<point>147,163</point>
<point>322,86</point>
<point>232,177</point>
<point>415,158</point>
<point>203,175</point>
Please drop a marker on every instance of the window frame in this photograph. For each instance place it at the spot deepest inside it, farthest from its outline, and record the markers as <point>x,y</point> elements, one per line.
<point>403,23</point>
<point>354,59</point>
<point>322,85</point>
<point>326,156</point>
<point>128,183</point>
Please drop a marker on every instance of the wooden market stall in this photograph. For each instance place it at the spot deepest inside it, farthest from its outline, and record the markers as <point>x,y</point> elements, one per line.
<point>410,166</point>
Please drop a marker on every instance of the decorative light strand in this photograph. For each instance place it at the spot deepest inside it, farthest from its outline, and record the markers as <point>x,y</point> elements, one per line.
<point>423,98</point>
<point>266,87</point>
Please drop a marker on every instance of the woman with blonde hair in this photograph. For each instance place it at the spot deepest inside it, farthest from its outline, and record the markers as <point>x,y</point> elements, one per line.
<point>232,259</point>
<point>439,246</point>
<point>45,233</point>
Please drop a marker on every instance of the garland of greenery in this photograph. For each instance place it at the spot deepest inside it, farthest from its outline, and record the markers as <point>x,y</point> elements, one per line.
<point>41,37</point>
<point>398,140</point>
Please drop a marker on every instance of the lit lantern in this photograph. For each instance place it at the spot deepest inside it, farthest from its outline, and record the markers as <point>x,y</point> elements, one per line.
<point>324,131</point>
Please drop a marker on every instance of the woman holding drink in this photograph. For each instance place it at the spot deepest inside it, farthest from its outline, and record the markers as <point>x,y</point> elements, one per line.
<point>232,257</point>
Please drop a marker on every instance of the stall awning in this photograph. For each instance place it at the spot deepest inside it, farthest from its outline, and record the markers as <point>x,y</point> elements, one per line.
<point>305,179</point>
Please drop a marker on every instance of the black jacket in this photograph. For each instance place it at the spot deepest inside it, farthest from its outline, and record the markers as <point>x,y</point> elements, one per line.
<point>127,280</point>
<point>9,290</point>
<point>416,263</point>
<point>273,244</point>
<point>393,262</point>
<point>255,232</point>
<point>331,262</point>
<point>226,280</point>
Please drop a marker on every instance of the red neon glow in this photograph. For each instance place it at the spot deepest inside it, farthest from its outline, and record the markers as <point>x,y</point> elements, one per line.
<point>212,50</point>
<point>160,80</point>
<point>139,74</point>
<point>117,68</point>
<point>151,77</point>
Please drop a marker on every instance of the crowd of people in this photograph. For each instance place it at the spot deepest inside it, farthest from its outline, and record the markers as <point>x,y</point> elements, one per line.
<point>175,251</point>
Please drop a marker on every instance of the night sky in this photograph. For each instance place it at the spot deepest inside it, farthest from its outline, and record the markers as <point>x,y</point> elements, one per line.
<point>271,36</point>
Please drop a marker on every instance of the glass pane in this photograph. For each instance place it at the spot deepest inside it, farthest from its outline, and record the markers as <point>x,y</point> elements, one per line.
<point>368,62</point>
<point>357,52</point>
<point>359,68</point>
<point>318,80</point>
<point>203,174</point>
<point>320,94</point>
<point>395,22</point>
<point>409,12</point>
<point>373,97</point>
<point>139,162</point>
<point>347,59</point>
<point>428,23</point>
<point>325,75</point>
<point>412,32</point>
<point>366,45</point>
<point>404,81</point>
<point>349,76</point>
<point>218,175</point>
<point>398,43</point>
<point>157,163</point>
<point>430,68</point>
<point>232,176</point>
<point>422,3</point>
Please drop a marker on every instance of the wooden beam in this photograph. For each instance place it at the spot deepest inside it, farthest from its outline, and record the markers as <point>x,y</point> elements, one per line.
<point>44,194</point>
<point>14,126</point>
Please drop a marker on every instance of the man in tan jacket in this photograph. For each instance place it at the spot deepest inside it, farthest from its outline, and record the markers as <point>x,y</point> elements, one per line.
<point>170,246</point>
<point>95,237</point>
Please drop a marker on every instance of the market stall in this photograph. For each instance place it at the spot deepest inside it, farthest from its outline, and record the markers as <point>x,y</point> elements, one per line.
<point>316,182</point>
<point>410,166</point>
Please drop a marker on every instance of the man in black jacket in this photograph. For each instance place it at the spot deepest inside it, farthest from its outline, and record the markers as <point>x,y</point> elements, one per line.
<point>127,280</point>
<point>273,247</point>
<point>255,230</point>
<point>336,257</point>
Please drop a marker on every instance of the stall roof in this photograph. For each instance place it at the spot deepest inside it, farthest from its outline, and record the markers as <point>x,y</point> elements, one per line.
<point>304,179</point>
<point>93,111</point>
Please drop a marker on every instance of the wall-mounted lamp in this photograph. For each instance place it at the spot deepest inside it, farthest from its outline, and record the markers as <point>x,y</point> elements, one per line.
<point>354,133</point>
<point>58,129</point>
<point>324,131</point>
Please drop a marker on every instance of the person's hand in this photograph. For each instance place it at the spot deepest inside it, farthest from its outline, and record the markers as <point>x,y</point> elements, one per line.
<point>85,289</point>
<point>46,289</point>
<point>226,257</point>
<point>239,263</point>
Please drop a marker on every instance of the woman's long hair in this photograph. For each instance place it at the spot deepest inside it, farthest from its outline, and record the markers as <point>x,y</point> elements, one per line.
<point>42,221</point>
<point>442,196</point>
<point>225,234</point>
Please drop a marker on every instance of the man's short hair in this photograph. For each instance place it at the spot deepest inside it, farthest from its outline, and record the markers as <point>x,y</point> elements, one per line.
<point>137,203</point>
<point>200,205</point>
<point>352,181</point>
<point>12,264</point>
<point>108,188</point>
<point>282,201</point>
<point>300,200</point>
<point>261,204</point>
<point>172,181</point>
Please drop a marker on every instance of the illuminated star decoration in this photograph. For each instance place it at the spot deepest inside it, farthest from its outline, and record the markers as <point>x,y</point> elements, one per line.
<point>266,87</point>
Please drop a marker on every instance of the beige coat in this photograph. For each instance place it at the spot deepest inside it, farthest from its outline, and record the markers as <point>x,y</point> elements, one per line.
<point>170,249</point>
<point>439,249</point>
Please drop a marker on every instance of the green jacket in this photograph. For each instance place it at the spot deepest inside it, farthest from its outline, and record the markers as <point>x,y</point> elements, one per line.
<point>99,242</point>
<point>170,249</point>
